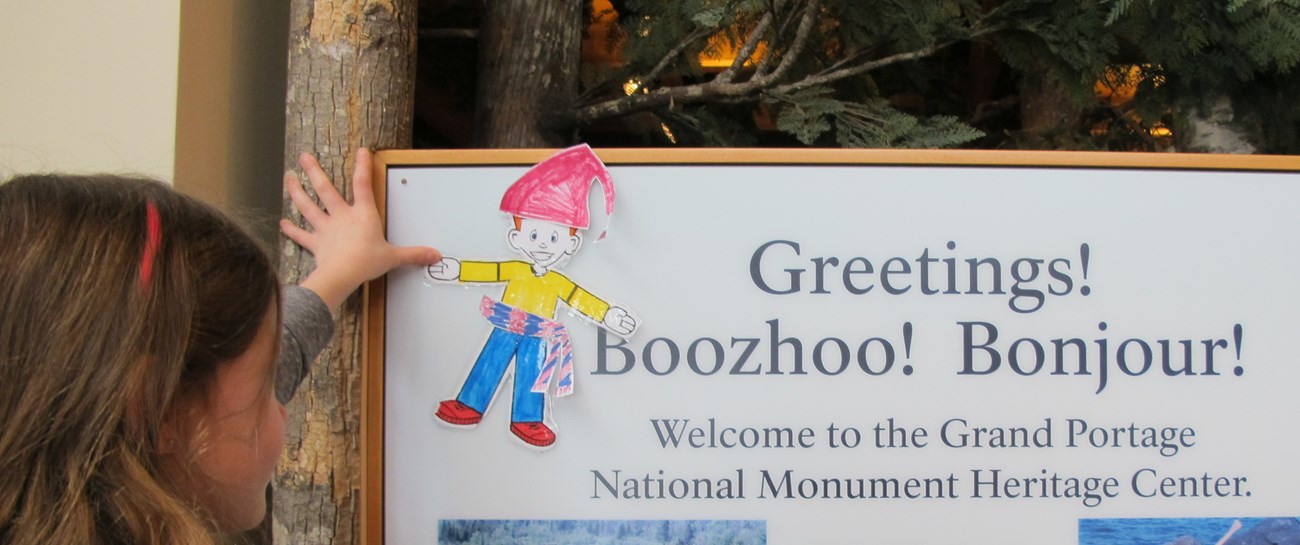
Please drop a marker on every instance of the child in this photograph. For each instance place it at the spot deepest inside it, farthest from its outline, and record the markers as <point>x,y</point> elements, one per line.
<point>138,352</point>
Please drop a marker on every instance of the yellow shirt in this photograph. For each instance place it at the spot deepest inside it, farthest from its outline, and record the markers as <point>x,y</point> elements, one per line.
<point>531,293</point>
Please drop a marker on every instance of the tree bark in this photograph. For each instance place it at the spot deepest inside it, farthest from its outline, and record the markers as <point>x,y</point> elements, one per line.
<point>528,72</point>
<point>350,84</point>
<point>1046,110</point>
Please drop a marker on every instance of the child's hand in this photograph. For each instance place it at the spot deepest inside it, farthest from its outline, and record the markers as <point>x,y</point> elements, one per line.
<point>346,239</point>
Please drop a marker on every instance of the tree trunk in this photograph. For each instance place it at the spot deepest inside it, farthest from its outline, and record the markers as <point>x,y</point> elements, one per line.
<point>1046,110</point>
<point>350,84</point>
<point>528,71</point>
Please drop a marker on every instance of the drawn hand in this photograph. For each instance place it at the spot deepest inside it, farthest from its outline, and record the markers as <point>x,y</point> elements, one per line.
<point>446,270</point>
<point>347,240</point>
<point>620,321</point>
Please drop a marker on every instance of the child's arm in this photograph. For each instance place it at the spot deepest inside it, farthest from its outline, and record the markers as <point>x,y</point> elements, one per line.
<point>307,328</point>
<point>349,246</point>
<point>346,239</point>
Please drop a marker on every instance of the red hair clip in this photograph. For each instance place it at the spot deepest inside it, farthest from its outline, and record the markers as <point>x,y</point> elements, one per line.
<point>153,232</point>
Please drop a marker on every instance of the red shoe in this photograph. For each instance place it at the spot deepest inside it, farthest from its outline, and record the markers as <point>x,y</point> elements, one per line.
<point>458,414</point>
<point>533,433</point>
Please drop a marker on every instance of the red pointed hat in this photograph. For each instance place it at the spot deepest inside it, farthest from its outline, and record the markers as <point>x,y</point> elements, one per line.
<point>556,189</point>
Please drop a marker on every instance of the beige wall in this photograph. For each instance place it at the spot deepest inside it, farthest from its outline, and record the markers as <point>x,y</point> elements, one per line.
<point>88,86</point>
<point>184,90</point>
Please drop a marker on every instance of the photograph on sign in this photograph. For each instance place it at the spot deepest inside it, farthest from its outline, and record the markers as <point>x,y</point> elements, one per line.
<point>832,349</point>
<point>1188,531</point>
<point>583,532</point>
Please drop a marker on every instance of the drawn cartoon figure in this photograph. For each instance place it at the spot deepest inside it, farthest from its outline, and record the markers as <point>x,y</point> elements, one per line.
<point>549,207</point>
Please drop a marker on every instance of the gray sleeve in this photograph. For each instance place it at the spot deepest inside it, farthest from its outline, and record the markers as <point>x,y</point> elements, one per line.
<point>308,327</point>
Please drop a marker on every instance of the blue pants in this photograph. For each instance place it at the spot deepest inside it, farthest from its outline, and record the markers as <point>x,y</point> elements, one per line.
<point>481,385</point>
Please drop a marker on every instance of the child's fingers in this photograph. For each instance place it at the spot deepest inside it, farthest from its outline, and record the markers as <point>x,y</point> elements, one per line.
<point>417,255</point>
<point>329,196</point>
<point>300,236</point>
<point>307,207</point>
<point>362,192</point>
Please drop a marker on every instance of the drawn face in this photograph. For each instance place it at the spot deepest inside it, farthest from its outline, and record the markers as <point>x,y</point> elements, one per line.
<point>545,244</point>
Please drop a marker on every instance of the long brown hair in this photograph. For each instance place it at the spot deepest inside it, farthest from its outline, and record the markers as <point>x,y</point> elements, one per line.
<point>108,327</point>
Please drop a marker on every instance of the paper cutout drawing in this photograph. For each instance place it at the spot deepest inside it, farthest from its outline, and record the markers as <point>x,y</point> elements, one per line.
<point>549,207</point>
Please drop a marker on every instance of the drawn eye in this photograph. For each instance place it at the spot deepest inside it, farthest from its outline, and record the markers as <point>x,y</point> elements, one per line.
<point>555,237</point>
<point>533,236</point>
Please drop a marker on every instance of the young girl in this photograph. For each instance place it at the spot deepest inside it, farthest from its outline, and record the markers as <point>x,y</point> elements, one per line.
<point>141,352</point>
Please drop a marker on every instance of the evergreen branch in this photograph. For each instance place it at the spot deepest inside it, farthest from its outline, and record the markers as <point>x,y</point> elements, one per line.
<point>672,54</point>
<point>830,76</point>
<point>809,17</point>
<point>711,91</point>
<point>746,51</point>
<point>849,58</point>
<point>811,114</point>
<point>908,17</point>
<point>657,98</point>
<point>790,18</point>
<point>721,91</point>
<point>765,62</point>
<point>861,115</point>
<point>1117,11</point>
<point>714,91</point>
<point>833,73</point>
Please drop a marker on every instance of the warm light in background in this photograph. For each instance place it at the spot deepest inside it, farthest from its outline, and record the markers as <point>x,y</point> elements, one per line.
<point>721,53</point>
<point>668,133</point>
<point>1119,83</point>
<point>597,48</point>
<point>1117,87</point>
<point>595,44</point>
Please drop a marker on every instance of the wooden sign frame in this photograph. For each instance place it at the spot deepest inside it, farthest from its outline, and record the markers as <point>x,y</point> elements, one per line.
<point>373,417</point>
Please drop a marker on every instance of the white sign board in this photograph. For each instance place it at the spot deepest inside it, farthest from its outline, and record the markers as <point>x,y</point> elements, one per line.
<point>840,351</point>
